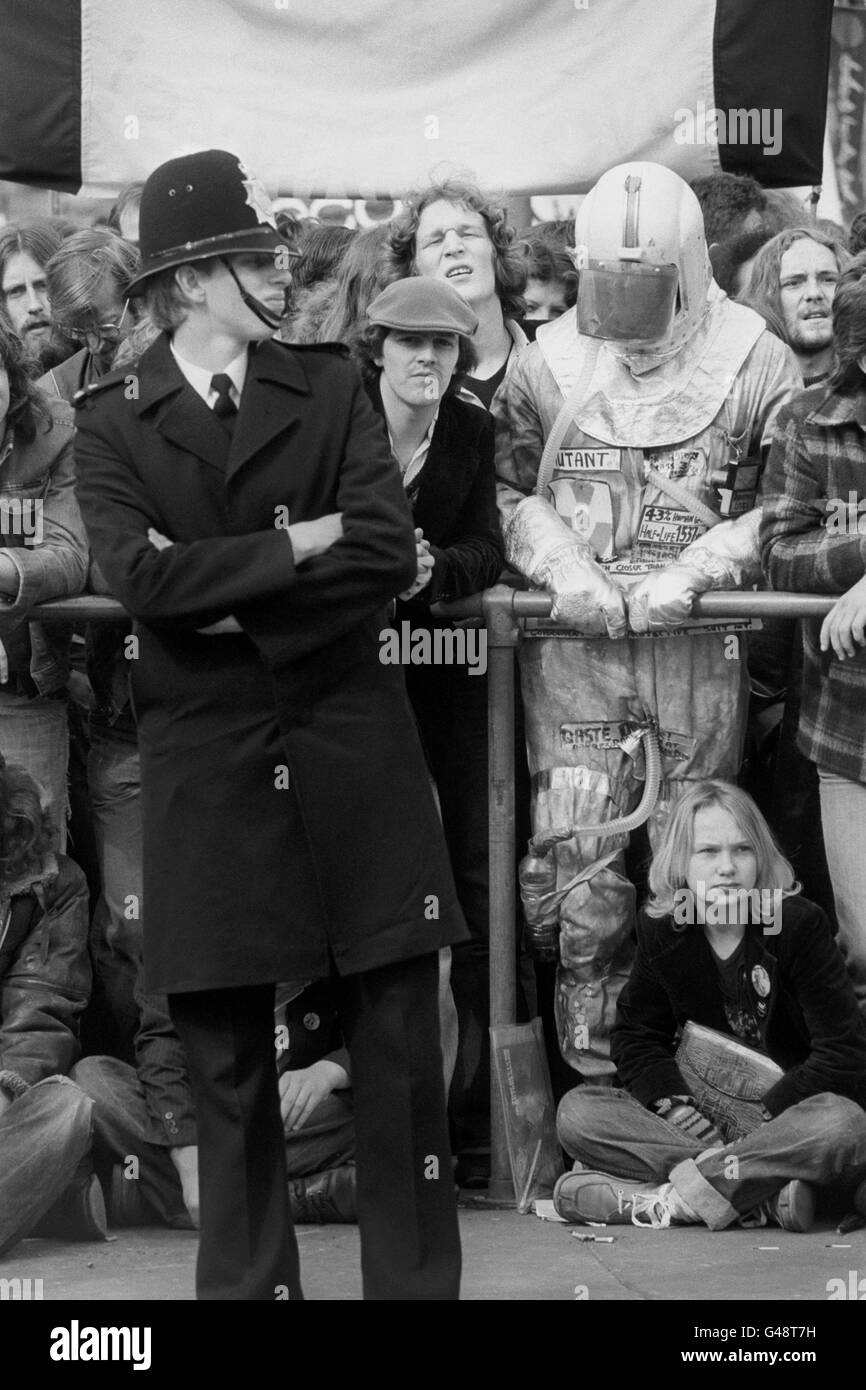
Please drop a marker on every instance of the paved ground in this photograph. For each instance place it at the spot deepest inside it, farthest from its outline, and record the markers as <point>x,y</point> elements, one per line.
<point>506,1257</point>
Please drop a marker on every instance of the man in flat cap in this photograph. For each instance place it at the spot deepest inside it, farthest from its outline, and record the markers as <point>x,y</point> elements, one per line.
<point>242,503</point>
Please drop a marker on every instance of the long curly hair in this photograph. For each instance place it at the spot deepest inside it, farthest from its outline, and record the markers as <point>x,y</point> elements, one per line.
<point>28,406</point>
<point>86,262</point>
<point>25,827</point>
<point>763,291</point>
<point>849,323</point>
<point>38,239</point>
<point>509,264</point>
<point>548,261</point>
<point>335,310</point>
<point>321,251</point>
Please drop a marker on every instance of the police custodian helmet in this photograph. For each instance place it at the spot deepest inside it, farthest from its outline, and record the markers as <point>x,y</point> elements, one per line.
<point>202,205</point>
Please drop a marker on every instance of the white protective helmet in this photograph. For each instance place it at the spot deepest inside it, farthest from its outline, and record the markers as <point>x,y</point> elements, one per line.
<point>642,256</point>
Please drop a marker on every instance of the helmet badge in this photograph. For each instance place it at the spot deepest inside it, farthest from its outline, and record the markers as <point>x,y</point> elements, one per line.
<point>257,196</point>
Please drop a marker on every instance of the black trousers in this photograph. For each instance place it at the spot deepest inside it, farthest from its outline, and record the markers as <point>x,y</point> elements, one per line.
<point>407,1213</point>
<point>450,708</point>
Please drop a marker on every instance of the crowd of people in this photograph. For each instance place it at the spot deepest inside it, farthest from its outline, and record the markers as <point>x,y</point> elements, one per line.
<point>244,878</point>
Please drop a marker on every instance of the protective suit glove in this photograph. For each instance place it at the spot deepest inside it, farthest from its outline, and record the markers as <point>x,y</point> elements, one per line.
<point>664,599</point>
<point>543,547</point>
<point>727,557</point>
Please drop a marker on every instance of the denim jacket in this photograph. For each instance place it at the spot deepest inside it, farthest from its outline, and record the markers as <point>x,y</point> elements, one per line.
<point>41,530</point>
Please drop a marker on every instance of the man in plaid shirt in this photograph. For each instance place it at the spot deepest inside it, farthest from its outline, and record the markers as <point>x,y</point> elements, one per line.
<point>813,539</point>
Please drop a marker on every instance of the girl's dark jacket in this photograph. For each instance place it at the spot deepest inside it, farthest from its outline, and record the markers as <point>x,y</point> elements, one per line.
<point>288,821</point>
<point>812,1027</point>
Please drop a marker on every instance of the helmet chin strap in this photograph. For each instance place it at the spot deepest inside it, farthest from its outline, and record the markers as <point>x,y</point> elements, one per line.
<point>255,306</point>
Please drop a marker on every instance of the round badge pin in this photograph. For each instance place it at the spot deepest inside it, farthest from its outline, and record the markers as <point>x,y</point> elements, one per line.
<point>761,981</point>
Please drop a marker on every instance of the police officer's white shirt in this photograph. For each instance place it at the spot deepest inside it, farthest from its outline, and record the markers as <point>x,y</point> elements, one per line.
<point>200,378</point>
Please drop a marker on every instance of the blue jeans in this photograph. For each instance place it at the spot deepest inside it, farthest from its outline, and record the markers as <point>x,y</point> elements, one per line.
<point>114,781</point>
<point>821,1140</point>
<point>34,734</point>
<point>44,1135</point>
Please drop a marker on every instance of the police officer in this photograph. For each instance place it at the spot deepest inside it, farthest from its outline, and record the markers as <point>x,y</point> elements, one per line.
<point>243,505</point>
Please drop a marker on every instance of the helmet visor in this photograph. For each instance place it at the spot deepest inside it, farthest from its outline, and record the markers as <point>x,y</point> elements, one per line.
<point>626,302</point>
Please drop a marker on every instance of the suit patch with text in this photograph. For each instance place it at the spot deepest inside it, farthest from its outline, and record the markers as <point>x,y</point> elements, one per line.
<point>588,461</point>
<point>608,736</point>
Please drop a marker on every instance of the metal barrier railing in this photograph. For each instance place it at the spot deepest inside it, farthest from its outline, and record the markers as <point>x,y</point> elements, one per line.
<point>502,609</point>
<point>87,608</point>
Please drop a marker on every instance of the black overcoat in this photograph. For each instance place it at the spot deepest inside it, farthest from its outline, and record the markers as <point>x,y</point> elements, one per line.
<point>288,818</point>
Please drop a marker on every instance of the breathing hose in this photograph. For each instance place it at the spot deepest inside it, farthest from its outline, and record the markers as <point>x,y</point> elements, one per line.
<point>537,871</point>
<point>621,825</point>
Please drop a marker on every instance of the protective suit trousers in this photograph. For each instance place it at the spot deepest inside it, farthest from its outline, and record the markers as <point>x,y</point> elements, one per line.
<point>582,697</point>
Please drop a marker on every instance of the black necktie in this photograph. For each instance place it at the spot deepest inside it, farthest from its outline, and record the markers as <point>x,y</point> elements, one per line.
<point>224,407</point>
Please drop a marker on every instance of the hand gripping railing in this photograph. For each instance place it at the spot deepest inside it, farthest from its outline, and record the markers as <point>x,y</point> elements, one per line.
<point>502,609</point>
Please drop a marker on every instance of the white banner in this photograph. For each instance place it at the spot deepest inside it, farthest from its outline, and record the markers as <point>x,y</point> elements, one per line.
<point>366,97</point>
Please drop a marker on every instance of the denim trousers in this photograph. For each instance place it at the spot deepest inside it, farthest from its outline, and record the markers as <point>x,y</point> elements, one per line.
<point>44,1135</point>
<point>114,781</point>
<point>821,1140</point>
<point>34,734</point>
<point>843,813</point>
<point>122,1130</point>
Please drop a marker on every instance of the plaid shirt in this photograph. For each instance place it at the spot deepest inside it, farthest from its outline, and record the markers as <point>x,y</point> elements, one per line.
<point>813,539</point>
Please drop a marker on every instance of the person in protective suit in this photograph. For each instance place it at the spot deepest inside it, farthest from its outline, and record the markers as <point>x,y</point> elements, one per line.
<point>630,438</point>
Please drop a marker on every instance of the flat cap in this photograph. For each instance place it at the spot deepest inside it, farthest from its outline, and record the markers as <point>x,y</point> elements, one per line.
<point>422,303</point>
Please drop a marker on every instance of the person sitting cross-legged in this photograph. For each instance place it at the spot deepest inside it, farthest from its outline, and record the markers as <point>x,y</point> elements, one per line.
<point>145,1134</point>
<point>774,981</point>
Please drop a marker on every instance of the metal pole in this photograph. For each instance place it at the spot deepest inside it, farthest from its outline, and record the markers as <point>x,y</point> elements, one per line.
<point>87,608</point>
<point>731,604</point>
<point>501,640</point>
<point>521,603</point>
